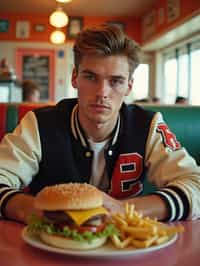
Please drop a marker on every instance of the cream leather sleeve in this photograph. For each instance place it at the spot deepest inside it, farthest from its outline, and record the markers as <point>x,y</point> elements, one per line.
<point>20,153</point>
<point>175,173</point>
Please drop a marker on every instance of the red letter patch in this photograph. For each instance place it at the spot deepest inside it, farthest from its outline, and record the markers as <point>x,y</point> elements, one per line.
<point>126,174</point>
<point>169,139</point>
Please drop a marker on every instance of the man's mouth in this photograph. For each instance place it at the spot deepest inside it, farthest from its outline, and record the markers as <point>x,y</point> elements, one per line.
<point>99,107</point>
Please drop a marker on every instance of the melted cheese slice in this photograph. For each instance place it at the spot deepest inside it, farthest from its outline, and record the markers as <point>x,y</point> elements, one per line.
<point>79,217</point>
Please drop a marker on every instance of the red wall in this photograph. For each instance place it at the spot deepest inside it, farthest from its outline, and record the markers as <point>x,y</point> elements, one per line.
<point>132,26</point>
<point>34,19</point>
<point>188,9</point>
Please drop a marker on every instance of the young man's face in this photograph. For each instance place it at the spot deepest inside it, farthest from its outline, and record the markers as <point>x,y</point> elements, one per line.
<point>102,83</point>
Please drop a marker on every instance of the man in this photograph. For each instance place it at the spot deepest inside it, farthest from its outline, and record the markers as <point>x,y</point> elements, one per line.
<point>30,91</point>
<point>99,140</point>
<point>181,100</point>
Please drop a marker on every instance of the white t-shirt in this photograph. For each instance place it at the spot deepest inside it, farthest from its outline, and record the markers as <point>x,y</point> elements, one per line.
<point>99,177</point>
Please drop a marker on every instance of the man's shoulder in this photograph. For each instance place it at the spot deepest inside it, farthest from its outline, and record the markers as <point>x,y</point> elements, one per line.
<point>53,115</point>
<point>62,106</point>
<point>66,104</point>
<point>136,110</point>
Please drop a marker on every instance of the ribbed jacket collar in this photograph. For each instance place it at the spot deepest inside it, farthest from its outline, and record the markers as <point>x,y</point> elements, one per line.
<point>79,133</point>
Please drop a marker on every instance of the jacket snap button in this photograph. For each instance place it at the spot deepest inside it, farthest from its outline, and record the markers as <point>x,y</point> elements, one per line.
<point>88,154</point>
<point>110,152</point>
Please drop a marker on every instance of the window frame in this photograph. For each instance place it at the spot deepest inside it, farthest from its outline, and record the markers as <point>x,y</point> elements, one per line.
<point>175,51</point>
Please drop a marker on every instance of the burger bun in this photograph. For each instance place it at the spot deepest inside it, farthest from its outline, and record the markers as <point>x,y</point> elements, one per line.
<point>71,196</point>
<point>66,243</point>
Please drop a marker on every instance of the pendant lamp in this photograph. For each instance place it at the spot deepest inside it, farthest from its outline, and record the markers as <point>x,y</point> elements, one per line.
<point>57,37</point>
<point>58,18</point>
<point>63,1</point>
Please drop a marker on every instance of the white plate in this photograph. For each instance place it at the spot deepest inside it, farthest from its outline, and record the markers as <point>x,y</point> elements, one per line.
<point>108,250</point>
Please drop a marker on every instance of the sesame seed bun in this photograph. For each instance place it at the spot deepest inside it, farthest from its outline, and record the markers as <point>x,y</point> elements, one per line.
<point>71,196</point>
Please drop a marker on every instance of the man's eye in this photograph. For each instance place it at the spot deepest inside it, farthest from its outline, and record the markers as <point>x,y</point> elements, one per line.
<point>89,77</point>
<point>115,82</point>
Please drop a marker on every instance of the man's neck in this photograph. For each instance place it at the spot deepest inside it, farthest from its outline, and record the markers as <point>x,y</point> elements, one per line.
<point>98,132</point>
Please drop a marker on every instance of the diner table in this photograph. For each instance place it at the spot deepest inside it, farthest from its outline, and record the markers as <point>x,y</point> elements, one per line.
<point>14,251</point>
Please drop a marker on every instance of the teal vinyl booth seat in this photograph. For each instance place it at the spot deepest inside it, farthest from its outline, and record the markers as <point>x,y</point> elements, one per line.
<point>11,114</point>
<point>184,121</point>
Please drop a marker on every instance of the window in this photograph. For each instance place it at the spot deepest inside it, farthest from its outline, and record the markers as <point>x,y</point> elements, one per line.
<point>181,76</point>
<point>170,75</point>
<point>183,86</point>
<point>140,84</point>
<point>195,78</point>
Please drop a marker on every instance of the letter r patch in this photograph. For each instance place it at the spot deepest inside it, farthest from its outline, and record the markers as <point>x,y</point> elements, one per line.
<point>169,139</point>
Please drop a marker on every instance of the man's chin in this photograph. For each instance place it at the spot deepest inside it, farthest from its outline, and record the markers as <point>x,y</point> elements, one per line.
<point>99,120</point>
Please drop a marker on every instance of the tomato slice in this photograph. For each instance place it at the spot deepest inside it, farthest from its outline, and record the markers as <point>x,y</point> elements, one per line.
<point>92,228</point>
<point>82,229</point>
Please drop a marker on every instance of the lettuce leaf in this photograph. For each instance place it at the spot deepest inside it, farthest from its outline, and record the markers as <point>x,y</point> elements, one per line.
<point>38,224</point>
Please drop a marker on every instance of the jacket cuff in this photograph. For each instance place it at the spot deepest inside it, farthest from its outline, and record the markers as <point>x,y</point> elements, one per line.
<point>176,201</point>
<point>6,193</point>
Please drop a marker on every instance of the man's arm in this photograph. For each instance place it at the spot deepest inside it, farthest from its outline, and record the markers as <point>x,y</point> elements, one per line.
<point>151,205</point>
<point>20,154</point>
<point>20,207</point>
<point>173,171</point>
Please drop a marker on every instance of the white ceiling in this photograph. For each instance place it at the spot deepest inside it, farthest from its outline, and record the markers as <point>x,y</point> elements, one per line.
<point>133,8</point>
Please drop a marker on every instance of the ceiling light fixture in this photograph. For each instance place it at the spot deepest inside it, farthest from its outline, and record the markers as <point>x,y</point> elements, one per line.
<point>63,1</point>
<point>58,18</point>
<point>57,37</point>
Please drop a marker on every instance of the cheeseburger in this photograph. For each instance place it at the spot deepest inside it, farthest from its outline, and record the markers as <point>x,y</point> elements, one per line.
<point>73,217</point>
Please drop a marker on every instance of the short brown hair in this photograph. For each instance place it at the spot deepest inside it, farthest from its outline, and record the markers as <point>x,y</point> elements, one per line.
<point>106,40</point>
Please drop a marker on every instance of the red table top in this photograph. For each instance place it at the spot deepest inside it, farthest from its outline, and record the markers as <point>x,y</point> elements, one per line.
<point>15,252</point>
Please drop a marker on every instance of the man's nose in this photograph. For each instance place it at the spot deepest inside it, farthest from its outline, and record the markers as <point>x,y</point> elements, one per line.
<point>103,88</point>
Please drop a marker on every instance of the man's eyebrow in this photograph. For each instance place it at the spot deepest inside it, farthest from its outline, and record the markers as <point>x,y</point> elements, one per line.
<point>118,77</point>
<point>87,71</point>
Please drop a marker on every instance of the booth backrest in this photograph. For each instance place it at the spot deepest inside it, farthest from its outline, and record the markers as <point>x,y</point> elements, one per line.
<point>184,121</point>
<point>3,113</point>
<point>24,108</point>
<point>11,114</point>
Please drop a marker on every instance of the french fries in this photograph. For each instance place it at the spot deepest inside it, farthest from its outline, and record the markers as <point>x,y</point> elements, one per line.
<point>140,232</point>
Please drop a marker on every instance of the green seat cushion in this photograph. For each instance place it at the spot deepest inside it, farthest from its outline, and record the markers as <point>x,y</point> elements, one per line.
<point>12,118</point>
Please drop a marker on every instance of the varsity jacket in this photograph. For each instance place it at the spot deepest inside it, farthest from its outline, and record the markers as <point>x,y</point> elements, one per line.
<point>49,147</point>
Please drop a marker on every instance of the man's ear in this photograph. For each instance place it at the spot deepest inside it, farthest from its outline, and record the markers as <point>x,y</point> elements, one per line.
<point>130,86</point>
<point>74,76</point>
